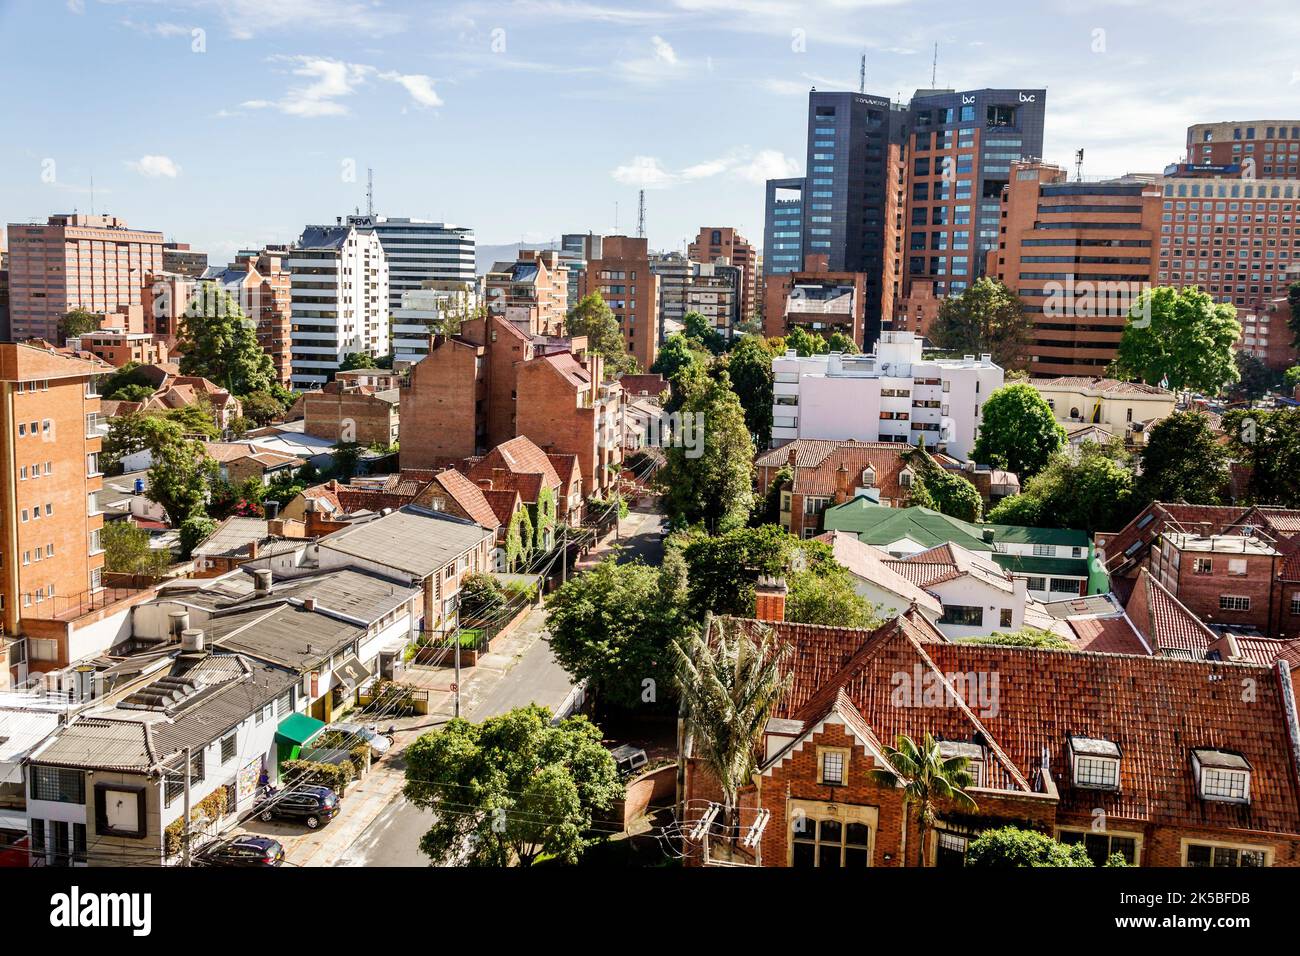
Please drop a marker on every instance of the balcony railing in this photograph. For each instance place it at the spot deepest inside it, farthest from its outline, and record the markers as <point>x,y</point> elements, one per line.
<point>62,607</point>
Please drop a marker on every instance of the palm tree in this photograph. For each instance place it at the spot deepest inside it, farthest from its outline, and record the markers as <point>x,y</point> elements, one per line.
<point>926,776</point>
<point>731,682</point>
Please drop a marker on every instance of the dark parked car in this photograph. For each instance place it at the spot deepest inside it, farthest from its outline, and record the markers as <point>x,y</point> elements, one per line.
<point>242,851</point>
<point>312,805</point>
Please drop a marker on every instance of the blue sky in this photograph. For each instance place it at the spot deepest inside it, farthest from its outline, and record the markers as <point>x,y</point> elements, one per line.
<point>228,123</point>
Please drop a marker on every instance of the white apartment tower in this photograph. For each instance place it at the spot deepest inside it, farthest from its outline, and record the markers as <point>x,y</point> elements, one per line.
<point>339,300</point>
<point>892,394</point>
<point>420,251</point>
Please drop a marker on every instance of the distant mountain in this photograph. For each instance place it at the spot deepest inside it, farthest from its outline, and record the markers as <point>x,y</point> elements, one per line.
<point>486,256</point>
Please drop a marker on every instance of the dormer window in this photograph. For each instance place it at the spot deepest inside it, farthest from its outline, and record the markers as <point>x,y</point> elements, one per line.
<point>1221,775</point>
<point>905,478</point>
<point>1094,763</point>
<point>869,477</point>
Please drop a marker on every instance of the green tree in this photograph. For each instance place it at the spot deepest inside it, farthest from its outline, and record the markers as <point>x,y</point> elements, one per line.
<point>130,393</point>
<point>677,353</point>
<point>219,342</point>
<point>76,323</point>
<point>262,408</point>
<point>1018,431</point>
<point>612,626</point>
<point>511,789</point>
<point>127,551</point>
<point>1089,488</point>
<point>767,510</point>
<point>697,327</point>
<point>986,318</point>
<point>1179,337</point>
<point>1291,377</point>
<point>193,530</point>
<point>1267,443</point>
<point>592,317</point>
<point>749,365</point>
<point>180,475</point>
<point>1182,461</point>
<point>840,342</point>
<point>1254,378</point>
<point>1009,847</point>
<point>731,678</point>
<point>357,360</point>
<point>1025,637</point>
<point>805,343</point>
<point>939,489</point>
<point>1293,310</point>
<point>722,569</point>
<point>707,476</point>
<point>1021,511</point>
<point>926,778</point>
<point>827,596</point>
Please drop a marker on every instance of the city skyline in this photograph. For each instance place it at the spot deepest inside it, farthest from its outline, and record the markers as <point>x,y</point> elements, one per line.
<point>265,117</point>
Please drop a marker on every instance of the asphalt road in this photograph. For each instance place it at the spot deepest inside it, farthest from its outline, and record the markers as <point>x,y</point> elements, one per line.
<point>393,839</point>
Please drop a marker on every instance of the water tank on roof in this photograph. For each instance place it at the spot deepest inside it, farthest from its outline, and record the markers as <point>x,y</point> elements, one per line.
<point>139,486</point>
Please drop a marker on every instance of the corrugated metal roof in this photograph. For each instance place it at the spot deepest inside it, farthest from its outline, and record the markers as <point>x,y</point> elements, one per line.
<point>412,539</point>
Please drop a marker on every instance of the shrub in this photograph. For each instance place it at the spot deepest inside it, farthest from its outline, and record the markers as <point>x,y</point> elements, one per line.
<point>1011,847</point>
<point>334,776</point>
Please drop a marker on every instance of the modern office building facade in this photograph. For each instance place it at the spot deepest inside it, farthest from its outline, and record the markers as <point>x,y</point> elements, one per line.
<point>674,271</point>
<point>420,250</point>
<point>1269,148</point>
<point>723,245</point>
<point>339,282</point>
<point>1078,255</point>
<point>783,245</point>
<point>75,261</point>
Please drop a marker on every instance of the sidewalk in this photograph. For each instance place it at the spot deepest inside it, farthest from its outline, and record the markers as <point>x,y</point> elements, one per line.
<point>372,794</point>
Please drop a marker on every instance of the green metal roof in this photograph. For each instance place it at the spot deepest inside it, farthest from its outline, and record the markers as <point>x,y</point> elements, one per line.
<point>1048,567</point>
<point>880,525</point>
<point>298,729</point>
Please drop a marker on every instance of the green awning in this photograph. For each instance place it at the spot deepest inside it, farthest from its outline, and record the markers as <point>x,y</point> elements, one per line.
<point>298,729</point>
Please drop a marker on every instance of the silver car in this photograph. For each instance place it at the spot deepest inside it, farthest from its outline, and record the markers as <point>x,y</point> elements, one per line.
<point>380,744</point>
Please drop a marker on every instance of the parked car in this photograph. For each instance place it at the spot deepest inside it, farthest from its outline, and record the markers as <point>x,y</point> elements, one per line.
<point>629,758</point>
<point>380,744</point>
<point>312,805</point>
<point>241,851</point>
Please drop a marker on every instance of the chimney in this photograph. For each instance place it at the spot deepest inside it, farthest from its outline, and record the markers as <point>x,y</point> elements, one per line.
<point>252,550</point>
<point>263,578</point>
<point>309,604</point>
<point>769,599</point>
<point>841,484</point>
<point>192,641</point>
<point>178,622</point>
<point>275,527</point>
<point>272,509</point>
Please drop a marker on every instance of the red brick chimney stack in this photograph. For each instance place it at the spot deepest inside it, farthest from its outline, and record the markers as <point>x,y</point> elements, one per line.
<point>769,599</point>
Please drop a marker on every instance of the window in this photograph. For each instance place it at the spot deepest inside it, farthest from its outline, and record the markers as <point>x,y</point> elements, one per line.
<point>1222,776</point>
<point>1237,566</point>
<point>831,764</point>
<point>1004,617</point>
<point>832,837</point>
<point>58,784</point>
<point>1044,551</point>
<point>950,848</point>
<point>1203,566</point>
<point>1224,784</point>
<point>1036,584</point>
<point>228,748</point>
<point>962,615</point>
<point>1233,602</point>
<point>1065,586</point>
<point>1095,762</point>
<point>1208,854</point>
<point>1295,602</point>
<point>1102,846</point>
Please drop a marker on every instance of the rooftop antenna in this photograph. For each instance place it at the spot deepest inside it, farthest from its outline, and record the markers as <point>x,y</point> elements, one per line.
<point>934,68</point>
<point>862,75</point>
<point>640,215</point>
<point>1078,165</point>
<point>370,191</point>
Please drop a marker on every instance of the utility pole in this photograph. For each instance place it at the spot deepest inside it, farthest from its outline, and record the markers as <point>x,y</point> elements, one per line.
<point>185,831</point>
<point>862,75</point>
<point>934,67</point>
<point>564,555</point>
<point>370,192</point>
<point>640,216</point>
<point>1078,165</point>
<point>456,638</point>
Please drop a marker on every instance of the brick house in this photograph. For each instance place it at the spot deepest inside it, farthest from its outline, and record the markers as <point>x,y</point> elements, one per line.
<point>353,413</point>
<point>1236,567</point>
<point>830,472</point>
<point>1183,770</point>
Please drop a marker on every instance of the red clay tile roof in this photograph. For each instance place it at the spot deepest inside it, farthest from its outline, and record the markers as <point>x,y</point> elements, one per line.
<point>1266,650</point>
<point>566,467</point>
<point>816,463</point>
<point>1168,626</point>
<point>469,496</point>
<point>1106,635</point>
<point>504,503</point>
<point>1155,709</point>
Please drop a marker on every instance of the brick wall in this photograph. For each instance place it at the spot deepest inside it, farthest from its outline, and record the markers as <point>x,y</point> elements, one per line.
<point>443,406</point>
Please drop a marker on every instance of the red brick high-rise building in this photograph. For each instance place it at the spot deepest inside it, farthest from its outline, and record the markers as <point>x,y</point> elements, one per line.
<point>75,261</point>
<point>723,242</point>
<point>622,275</point>
<point>1270,147</point>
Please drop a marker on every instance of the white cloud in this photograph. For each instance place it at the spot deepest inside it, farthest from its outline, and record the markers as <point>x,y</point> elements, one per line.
<point>644,172</point>
<point>649,172</point>
<point>155,167</point>
<point>328,82</point>
<point>418,85</point>
<point>664,50</point>
<point>77,6</point>
<point>246,19</point>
